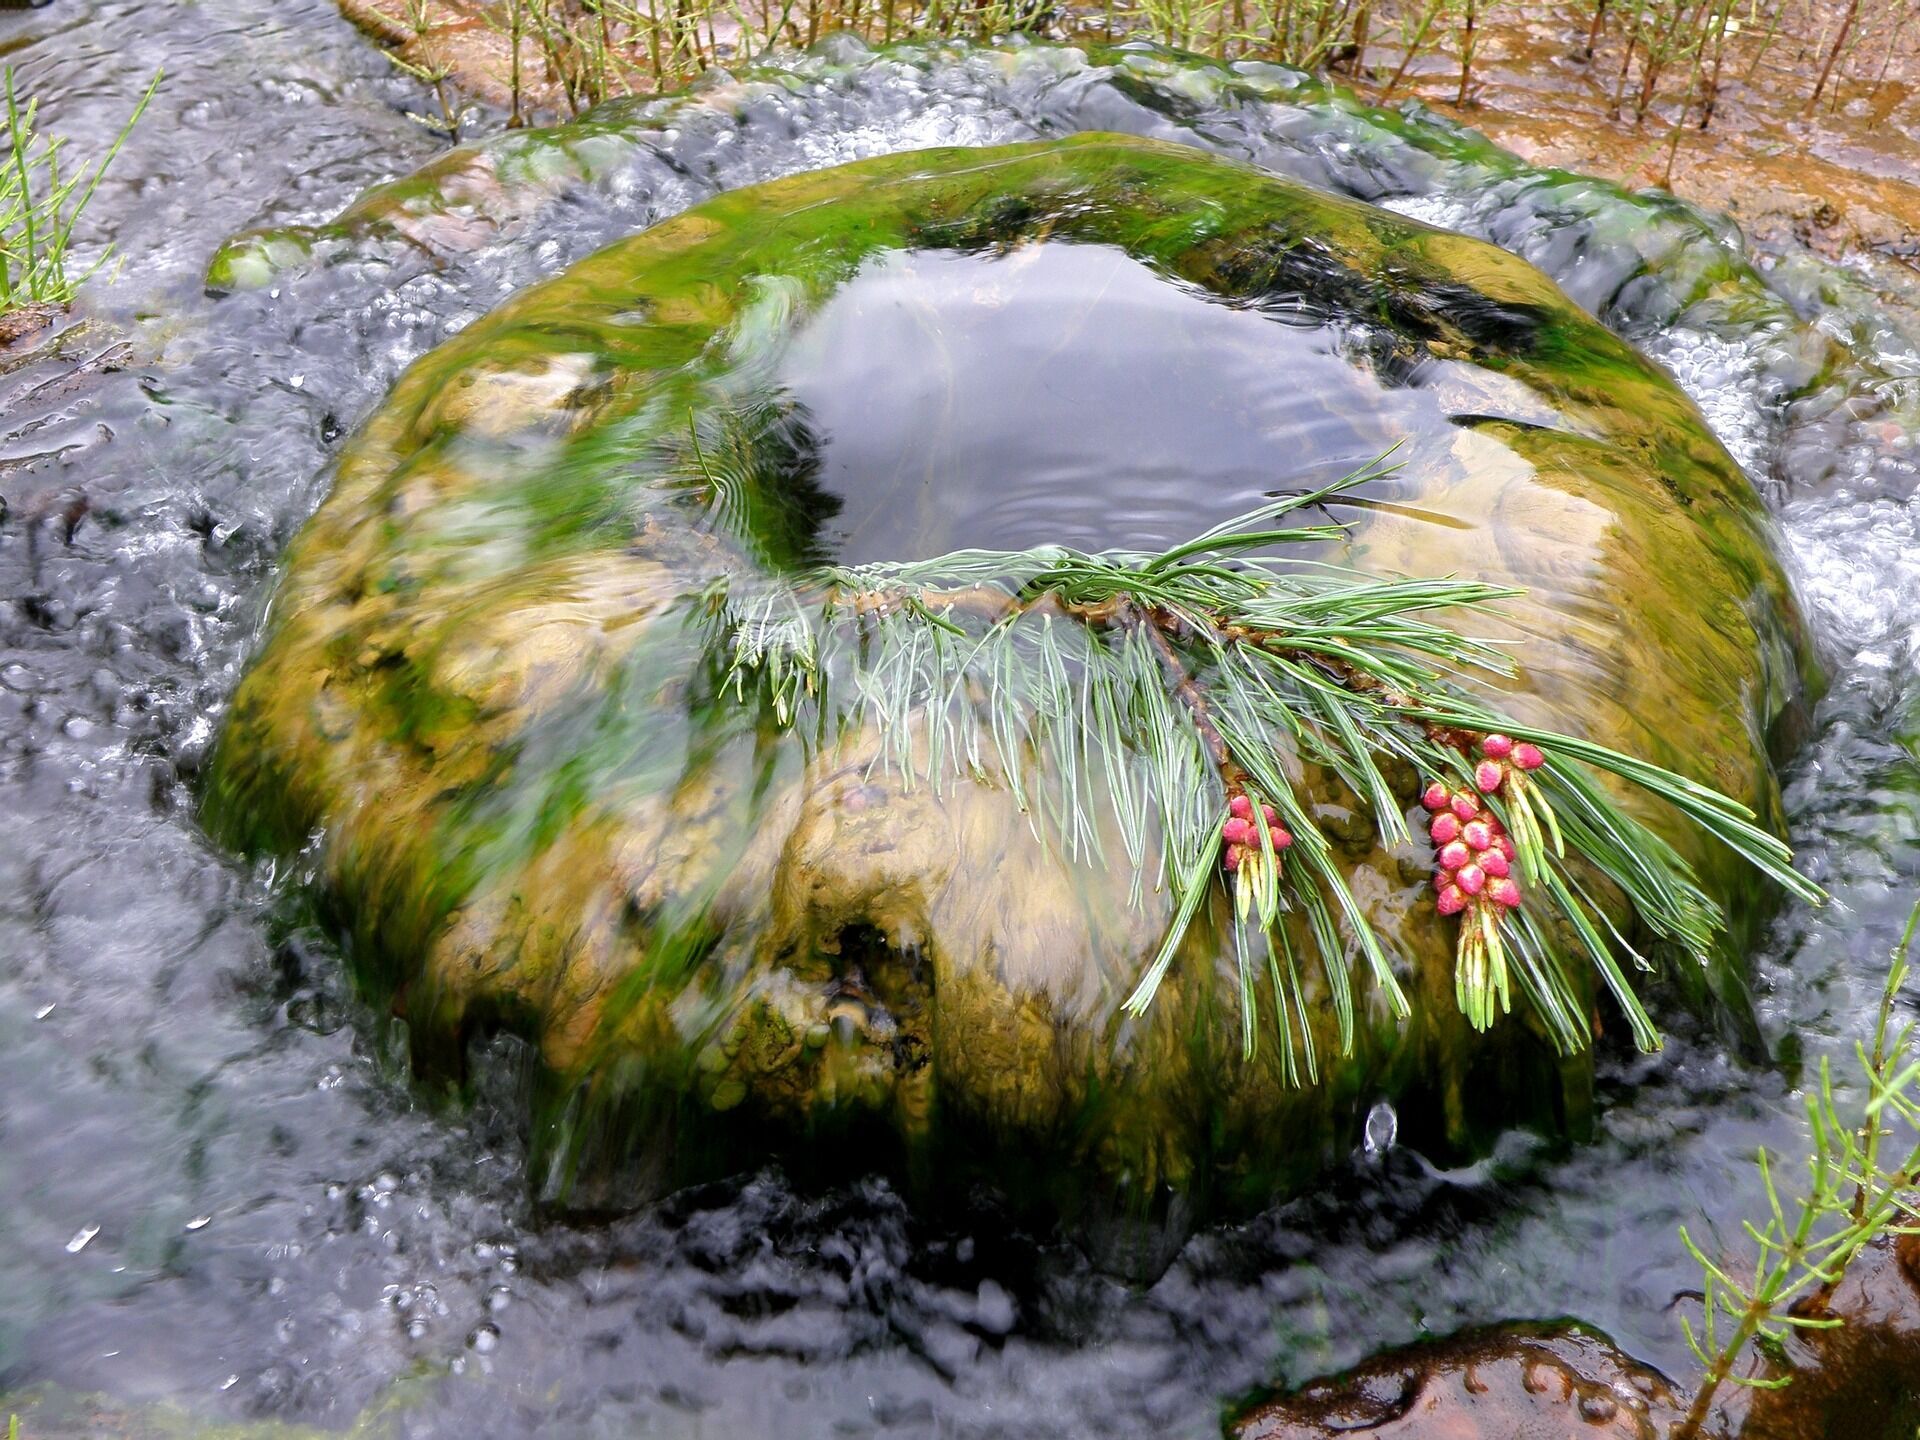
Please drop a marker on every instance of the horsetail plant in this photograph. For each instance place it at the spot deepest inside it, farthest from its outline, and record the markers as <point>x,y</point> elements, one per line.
<point>39,205</point>
<point>1175,703</point>
<point>1853,1196</point>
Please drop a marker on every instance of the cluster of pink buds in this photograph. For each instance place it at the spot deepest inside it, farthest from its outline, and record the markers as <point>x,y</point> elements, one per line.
<point>1242,832</point>
<point>1476,853</point>
<point>1475,879</point>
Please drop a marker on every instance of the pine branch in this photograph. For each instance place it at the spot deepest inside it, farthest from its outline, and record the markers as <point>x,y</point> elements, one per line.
<point>1178,688</point>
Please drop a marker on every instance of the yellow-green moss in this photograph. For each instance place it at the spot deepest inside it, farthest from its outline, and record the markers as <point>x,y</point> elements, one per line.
<point>483,686</point>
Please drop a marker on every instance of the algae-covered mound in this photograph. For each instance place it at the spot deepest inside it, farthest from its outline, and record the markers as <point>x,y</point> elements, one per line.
<point>491,685</point>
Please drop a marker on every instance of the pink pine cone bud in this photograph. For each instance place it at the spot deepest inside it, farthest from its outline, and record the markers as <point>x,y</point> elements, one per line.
<point>1478,834</point>
<point>1471,879</point>
<point>1495,864</point>
<point>1271,815</point>
<point>1497,746</point>
<point>1453,856</point>
<point>1233,857</point>
<point>1464,805</point>
<point>1451,901</point>
<point>1435,796</point>
<point>1528,757</point>
<point>1488,775</point>
<point>1504,844</point>
<point>1240,807</point>
<point>1504,892</point>
<point>1442,879</point>
<point>1281,839</point>
<point>1236,832</point>
<point>1445,828</point>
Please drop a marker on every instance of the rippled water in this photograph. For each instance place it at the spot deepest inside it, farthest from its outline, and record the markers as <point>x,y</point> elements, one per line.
<point>216,1189</point>
<point>1136,412</point>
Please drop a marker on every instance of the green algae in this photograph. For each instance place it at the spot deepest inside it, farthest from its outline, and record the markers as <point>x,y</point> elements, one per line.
<point>487,689</point>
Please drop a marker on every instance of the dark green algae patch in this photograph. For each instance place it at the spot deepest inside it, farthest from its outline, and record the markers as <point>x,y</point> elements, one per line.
<point>488,685</point>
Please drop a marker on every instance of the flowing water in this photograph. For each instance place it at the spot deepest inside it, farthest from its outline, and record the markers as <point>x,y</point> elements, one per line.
<point>219,1195</point>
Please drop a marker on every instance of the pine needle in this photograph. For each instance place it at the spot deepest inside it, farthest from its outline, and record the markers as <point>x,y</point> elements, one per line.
<point>1133,695</point>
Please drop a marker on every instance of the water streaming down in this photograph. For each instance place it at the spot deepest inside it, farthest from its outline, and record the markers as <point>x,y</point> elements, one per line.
<point>222,1193</point>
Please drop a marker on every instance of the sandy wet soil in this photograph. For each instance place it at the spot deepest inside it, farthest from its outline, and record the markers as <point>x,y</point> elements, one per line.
<point>1842,179</point>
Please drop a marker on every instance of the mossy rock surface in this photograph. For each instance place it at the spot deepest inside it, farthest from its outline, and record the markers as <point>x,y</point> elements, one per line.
<point>486,686</point>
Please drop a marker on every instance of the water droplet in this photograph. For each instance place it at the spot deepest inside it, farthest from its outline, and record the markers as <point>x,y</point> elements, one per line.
<point>993,1309</point>
<point>43,1012</point>
<point>484,1338</point>
<point>81,1237</point>
<point>199,1222</point>
<point>1383,1126</point>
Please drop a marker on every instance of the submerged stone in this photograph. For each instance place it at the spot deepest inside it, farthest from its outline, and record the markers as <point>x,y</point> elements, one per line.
<point>1859,1377</point>
<point>1520,1382</point>
<point>488,686</point>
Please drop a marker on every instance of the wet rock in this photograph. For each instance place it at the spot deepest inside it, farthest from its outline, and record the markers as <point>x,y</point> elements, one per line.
<point>1860,1380</point>
<point>20,325</point>
<point>487,687</point>
<point>1520,1383</point>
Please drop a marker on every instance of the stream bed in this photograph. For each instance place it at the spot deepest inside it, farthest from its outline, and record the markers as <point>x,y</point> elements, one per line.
<point>222,1196</point>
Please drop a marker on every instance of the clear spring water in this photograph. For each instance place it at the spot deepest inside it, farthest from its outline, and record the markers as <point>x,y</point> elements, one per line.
<point>217,1194</point>
<point>1136,412</point>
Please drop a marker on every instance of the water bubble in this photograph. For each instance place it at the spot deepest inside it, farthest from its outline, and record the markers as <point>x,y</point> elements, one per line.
<point>1383,1127</point>
<point>993,1309</point>
<point>484,1338</point>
